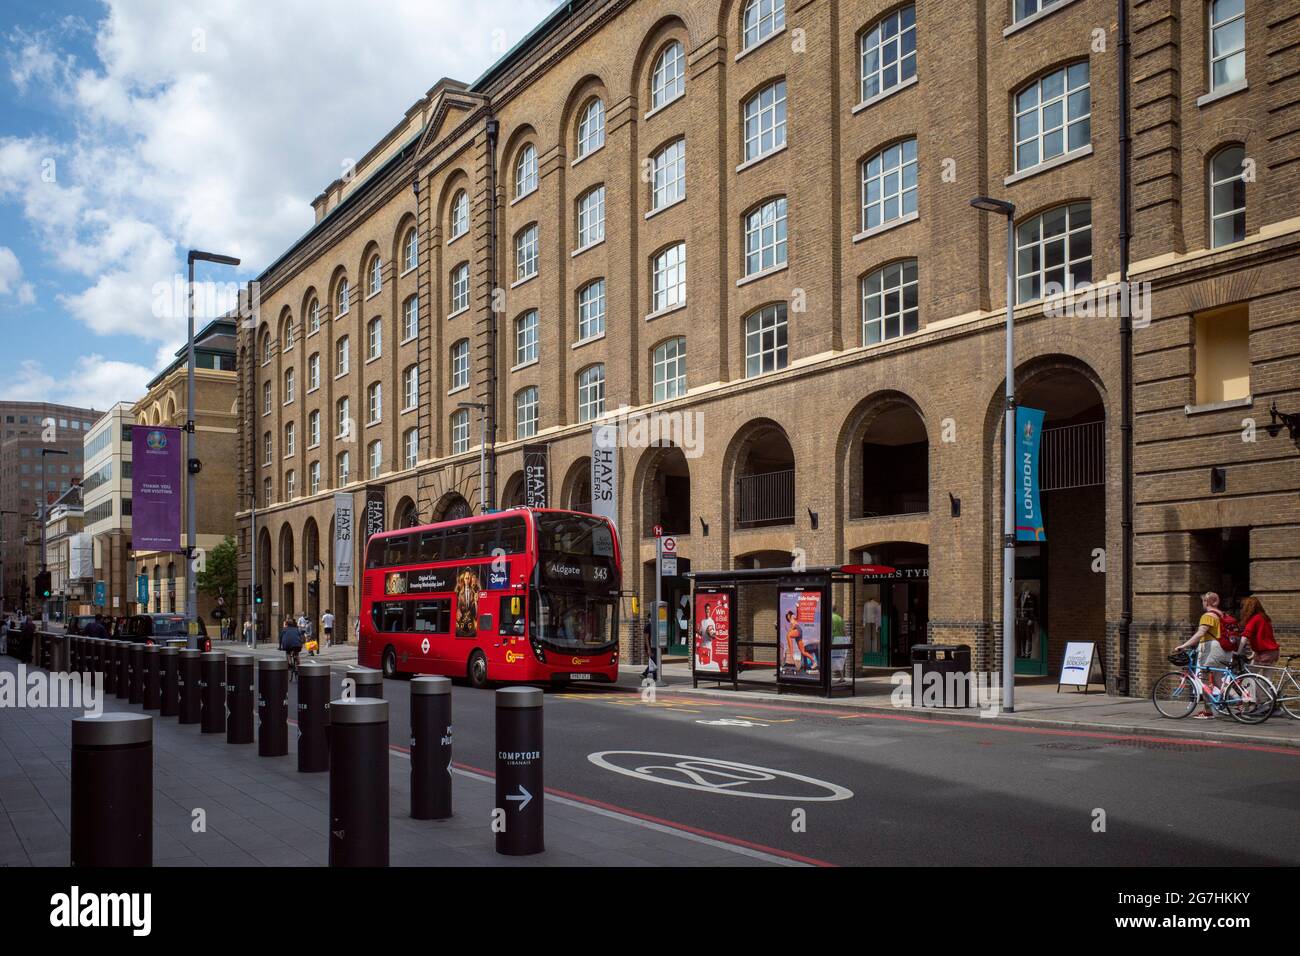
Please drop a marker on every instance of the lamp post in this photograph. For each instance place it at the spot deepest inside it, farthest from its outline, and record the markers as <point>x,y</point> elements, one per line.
<point>482,453</point>
<point>45,510</point>
<point>986,204</point>
<point>191,449</point>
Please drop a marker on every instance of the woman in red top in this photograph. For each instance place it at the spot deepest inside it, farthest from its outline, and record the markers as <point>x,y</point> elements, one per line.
<point>1258,630</point>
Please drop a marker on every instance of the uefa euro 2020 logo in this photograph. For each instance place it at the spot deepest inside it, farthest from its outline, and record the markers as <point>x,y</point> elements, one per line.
<point>156,440</point>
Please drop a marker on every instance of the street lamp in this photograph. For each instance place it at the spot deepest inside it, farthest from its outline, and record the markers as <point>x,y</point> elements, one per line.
<point>482,453</point>
<point>1002,207</point>
<point>45,452</point>
<point>191,449</point>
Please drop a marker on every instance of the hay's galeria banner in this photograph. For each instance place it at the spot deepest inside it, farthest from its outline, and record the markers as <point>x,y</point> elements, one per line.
<point>156,489</point>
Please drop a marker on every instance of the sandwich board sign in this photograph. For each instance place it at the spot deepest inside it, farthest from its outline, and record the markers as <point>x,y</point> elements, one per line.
<point>1080,663</point>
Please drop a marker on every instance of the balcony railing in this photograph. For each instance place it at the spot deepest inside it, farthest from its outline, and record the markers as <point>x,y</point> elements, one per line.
<point>765,499</point>
<point>1073,457</point>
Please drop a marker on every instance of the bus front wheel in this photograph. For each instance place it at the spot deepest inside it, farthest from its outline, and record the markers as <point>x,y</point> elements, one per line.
<point>477,670</point>
<point>390,663</point>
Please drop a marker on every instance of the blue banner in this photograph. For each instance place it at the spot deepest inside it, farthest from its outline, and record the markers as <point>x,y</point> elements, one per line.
<point>101,593</point>
<point>1029,510</point>
<point>142,591</point>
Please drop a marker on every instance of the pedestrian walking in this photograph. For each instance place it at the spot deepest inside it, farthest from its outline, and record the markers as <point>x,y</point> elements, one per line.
<point>1209,653</point>
<point>327,626</point>
<point>248,632</point>
<point>1258,630</point>
<point>651,671</point>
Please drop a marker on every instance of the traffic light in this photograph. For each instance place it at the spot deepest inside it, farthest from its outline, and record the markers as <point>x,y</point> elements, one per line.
<point>42,584</point>
<point>312,589</point>
<point>257,594</point>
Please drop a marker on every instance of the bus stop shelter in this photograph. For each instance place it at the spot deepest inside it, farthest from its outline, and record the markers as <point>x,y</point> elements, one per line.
<point>774,628</point>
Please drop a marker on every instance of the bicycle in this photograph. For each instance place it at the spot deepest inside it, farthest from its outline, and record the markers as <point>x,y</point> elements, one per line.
<point>1284,682</point>
<point>293,664</point>
<point>1248,698</point>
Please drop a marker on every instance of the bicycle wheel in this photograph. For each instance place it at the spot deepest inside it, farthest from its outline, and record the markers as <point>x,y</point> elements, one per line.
<point>1249,698</point>
<point>1289,698</point>
<point>1174,695</point>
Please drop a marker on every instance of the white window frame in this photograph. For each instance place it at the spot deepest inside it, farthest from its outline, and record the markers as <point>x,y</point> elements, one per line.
<point>591,310</point>
<point>410,387</point>
<point>374,339</point>
<point>668,174</point>
<point>375,276</point>
<point>526,171</point>
<point>591,127</point>
<point>668,364</point>
<point>526,257</point>
<point>1216,214</point>
<point>591,216</point>
<point>668,79</point>
<point>313,317</point>
<point>288,335</point>
<point>313,428</point>
<point>290,386</point>
<point>767,236</point>
<point>459,222</point>
<point>766,111</point>
<point>343,468</point>
<point>410,448</point>
<point>374,403</point>
<point>290,485</point>
<point>1215,27</point>
<point>342,356</point>
<point>290,439</point>
<point>266,448</point>
<point>890,183</point>
<point>313,371</point>
<point>526,337</point>
<point>591,393</point>
<point>459,364</point>
<point>526,412</point>
<point>760,20</point>
<point>460,431</point>
<point>375,458</point>
<point>266,397</point>
<point>887,37</point>
<point>767,333</point>
<point>885,294</point>
<point>668,278</point>
<point>411,250</point>
<point>1071,91</point>
<point>460,288</point>
<point>1040,245</point>
<point>344,298</point>
<point>343,417</point>
<point>410,318</point>
<point>313,477</point>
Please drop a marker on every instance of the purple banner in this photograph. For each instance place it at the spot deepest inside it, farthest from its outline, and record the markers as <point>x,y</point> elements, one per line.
<point>155,489</point>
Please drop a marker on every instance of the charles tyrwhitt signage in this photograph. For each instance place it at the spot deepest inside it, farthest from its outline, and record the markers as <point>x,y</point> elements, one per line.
<point>343,534</point>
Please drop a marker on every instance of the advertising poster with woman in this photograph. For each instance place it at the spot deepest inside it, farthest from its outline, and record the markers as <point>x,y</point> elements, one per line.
<point>713,632</point>
<point>799,628</point>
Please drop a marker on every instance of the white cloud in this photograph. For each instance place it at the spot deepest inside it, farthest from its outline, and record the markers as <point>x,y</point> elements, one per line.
<point>91,382</point>
<point>214,126</point>
<point>11,278</point>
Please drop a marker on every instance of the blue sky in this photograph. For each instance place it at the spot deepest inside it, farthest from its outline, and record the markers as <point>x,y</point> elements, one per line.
<point>132,130</point>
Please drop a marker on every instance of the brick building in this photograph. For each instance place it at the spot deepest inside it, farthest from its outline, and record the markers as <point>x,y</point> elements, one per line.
<point>519,243</point>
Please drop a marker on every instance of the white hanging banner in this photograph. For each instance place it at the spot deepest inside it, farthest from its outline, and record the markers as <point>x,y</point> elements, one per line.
<point>344,530</point>
<point>604,472</point>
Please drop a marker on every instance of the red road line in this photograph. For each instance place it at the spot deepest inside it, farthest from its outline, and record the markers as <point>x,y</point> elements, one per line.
<point>661,821</point>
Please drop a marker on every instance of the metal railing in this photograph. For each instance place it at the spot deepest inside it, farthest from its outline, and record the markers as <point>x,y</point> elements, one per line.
<point>1073,456</point>
<point>765,499</point>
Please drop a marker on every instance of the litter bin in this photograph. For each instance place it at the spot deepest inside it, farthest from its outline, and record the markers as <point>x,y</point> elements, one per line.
<point>950,663</point>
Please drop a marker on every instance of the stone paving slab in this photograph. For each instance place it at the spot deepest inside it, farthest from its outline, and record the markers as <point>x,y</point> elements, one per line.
<point>261,812</point>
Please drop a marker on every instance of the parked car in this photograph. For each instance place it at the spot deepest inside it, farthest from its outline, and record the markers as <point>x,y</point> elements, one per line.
<point>167,629</point>
<point>77,623</point>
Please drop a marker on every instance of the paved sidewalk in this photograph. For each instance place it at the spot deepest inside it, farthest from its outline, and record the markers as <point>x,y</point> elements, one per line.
<point>338,654</point>
<point>261,811</point>
<point>1037,704</point>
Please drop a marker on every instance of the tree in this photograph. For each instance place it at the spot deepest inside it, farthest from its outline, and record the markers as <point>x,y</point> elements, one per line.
<point>219,576</point>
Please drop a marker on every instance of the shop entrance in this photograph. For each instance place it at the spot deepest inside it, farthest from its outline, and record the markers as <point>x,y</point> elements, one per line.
<point>893,602</point>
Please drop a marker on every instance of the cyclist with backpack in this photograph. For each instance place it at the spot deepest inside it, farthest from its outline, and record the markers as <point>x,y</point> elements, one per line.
<point>291,643</point>
<point>1217,639</point>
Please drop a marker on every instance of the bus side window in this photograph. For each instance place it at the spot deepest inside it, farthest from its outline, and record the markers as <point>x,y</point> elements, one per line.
<point>483,539</point>
<point>456,544</point>
<point>512,536</point>
<point>375,554</point>
<point>431,546</point>
<point>485,623</point>
<point>396,550</point>
<point>512,623</point>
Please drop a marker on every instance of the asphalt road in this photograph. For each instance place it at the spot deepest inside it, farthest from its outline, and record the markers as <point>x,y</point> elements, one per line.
<point>923,791</point>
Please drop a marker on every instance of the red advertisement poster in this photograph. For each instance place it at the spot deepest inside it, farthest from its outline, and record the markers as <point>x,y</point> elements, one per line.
<point>713,633</point>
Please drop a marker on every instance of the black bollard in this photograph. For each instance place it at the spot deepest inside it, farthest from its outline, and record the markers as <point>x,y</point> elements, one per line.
<point>369,682</point>
<point>212,693</point>
<point>135,673</point>
<point>430,748</point>
<point>272,707</point>
<point>358,782</point>
<point>520,793</point>
<point>110,667</point>
<point>170,699</point>
<point>112,790</point>
<point>313,716</point>
<point>152,677</point>
<point>187,681</point>
<point>122,654</point>
<point>239,699</point>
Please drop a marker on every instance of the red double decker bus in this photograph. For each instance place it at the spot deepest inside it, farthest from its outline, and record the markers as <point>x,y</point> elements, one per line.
<point>528,595</point>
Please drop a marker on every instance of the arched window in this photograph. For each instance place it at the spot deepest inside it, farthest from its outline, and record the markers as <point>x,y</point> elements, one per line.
<point>460,288</point>
<point>410,387</point>
<point>1054,252</point>
<point>761,19</point>
<point>288,334</point>
<point>460,431</point>
<point>889,302</point>
<point>410,318</point>
<point>889,184</point>
<point>342,356</point>
<point>460,364</point>
<point>668,167</point>
<point>526,171</point>
<point>766,340</point>
<point>374,339</point>
<point>591,217</point>
<point>411,250</point>
<point>375,276</point>
<point>526,338</point>
<point>764,130</point>
<point>668,80</point>
<point>410,447</point>
<point>266,347</point>
<point>313,371</point>
<point>526,253</point>
<point>313,478</point>
<point>591,393</point>
<point>887,53</point>
<point>668,278</point>
<point>375,458</point>
<point>343,417</point>
<point>288,386</point>
<point>1227,196</point>
<point>313,428</point>
<point>591,310</point>
<point>765,236</point>
<point>344,468</point>
<point>526,412</point>
<point>459,214</point>
<point>591,128</point>
<point>669,369</point>
<point>313,316</point>
<point>344,297</point>
<point>290,484</point>
<point>374,403</point>
<point>1053,115</point>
